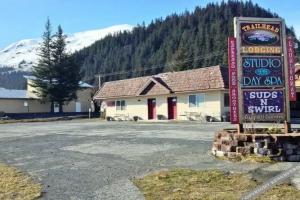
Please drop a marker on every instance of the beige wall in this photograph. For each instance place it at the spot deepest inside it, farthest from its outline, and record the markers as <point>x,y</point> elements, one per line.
<point>83,97</point>
<point>137,106</point>
<point>224,109</point>
<point>17,106</point>
<point>297,84</point>
<point>30,90</point>
<point>35,106</point>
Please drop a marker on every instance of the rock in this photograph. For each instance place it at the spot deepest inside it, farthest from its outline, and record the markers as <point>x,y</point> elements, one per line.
<point>162,175</point>
<point>177,190</point>
<point>243,150</point>
<point>279,158</point>
<point>231,154</point>
<point>262,151</point>
<point>214,152</point>
<point>289,151</point>
<point>289,146</point>
<point>220,153</point>
<point>293,158</point>
<point>228,148</point>
<point>217,146</point>
<point>241,137</point>
<point>255,150</point>
<point>258,145</point>
<point>270,145</point>
<point>267,140</point>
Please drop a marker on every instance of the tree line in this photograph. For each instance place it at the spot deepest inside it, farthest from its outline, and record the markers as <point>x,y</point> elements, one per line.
<point>12,79</point>
<point>178,42</point>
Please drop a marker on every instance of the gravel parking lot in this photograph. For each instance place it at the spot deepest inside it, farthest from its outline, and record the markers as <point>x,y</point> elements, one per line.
<point>89,159</point>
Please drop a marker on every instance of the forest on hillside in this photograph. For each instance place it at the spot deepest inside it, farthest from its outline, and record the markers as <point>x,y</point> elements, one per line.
<point>178,42</point>
<point>12,79</point>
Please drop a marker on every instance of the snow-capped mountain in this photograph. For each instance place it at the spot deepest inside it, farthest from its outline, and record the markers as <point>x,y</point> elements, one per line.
<point>23,54</point>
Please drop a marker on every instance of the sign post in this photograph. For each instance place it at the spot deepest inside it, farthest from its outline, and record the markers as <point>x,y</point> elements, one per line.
<point>233,81</point>
<point>261,71</point>
<point>291,68</point>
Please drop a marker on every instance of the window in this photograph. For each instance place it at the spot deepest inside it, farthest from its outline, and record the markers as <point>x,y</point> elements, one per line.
<point>123,105</point>
<point>196,100</point>
<point>120,105</point>
<point>110,103</point>
<point>192,101</point>
<point>226,100</point>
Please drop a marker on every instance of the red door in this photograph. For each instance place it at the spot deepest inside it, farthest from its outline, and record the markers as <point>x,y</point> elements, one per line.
<point>151,108</point>
<point>172,107</point>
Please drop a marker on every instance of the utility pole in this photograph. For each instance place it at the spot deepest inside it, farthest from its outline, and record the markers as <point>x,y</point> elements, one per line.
<point>99,80</point>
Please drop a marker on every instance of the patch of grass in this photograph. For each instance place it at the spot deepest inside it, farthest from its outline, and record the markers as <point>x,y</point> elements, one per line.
<point>249,158</point>
<point>9,121</point>
<point>284,191</point>
<point>257,159</point>
<point>207,184</point>
<point>41,119</point>
<point>191,184</point>
<point>16,185</point>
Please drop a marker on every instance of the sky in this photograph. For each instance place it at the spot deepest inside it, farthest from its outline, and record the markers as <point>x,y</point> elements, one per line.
<point>24,19</point>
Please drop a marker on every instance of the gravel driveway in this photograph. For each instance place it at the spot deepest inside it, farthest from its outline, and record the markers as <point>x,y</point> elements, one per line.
<point>86,159</point>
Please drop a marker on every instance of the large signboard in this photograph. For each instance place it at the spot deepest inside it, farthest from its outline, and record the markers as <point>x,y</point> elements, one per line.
<point>265,84</point>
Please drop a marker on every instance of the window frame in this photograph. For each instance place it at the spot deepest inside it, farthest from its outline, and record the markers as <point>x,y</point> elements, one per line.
<point>198,103</point>
<point>120,105</point>
<point>192,104</point>
<point>226,96</point>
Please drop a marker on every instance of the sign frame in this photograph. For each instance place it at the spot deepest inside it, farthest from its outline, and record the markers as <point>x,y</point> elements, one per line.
<point>264,86</point>
<point>237,34</point>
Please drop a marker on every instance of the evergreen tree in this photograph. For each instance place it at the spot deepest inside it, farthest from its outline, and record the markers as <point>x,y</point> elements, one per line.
<point>182,60</point>
<point>67,72</point>
<point>57,79</point>
<point>43,71</point>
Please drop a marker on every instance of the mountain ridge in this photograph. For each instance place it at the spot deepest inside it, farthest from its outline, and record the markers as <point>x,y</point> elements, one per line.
<point>23,54</point>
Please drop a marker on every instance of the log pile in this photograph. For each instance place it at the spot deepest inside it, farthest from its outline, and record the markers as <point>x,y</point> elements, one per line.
<point>279,147</point>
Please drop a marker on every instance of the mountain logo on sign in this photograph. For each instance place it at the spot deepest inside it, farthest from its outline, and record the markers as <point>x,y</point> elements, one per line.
<point>260,37</point>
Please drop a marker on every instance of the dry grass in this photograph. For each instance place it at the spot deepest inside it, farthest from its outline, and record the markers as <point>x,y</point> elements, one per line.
<point>16,185</point>
<point>257,159</point>
<point>250,158</point>
<point>210,185</point>
<point>28,120</point>
<point>283,191</point>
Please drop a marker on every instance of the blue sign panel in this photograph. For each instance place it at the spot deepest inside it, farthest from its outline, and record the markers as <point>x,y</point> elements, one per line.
<point>261,71</point>
<point>263,105</point>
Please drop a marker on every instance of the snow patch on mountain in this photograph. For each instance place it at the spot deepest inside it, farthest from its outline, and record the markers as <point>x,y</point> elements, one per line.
<point>23,54</point>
